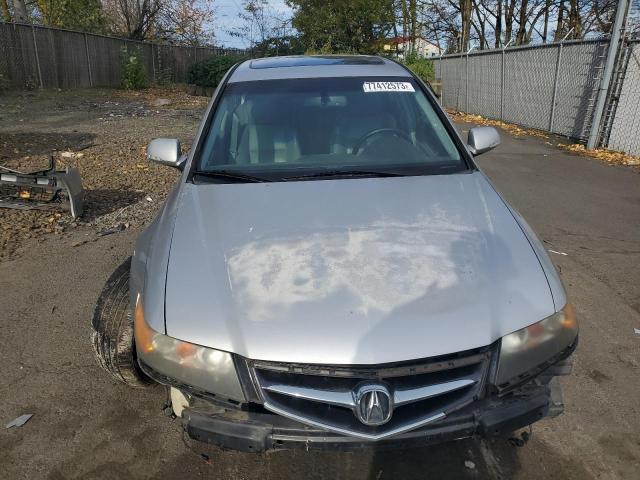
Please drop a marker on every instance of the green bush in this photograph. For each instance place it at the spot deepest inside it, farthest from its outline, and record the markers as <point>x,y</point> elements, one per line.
<point>133,74</point>
<point>422,67</point>
<point>209,72</point>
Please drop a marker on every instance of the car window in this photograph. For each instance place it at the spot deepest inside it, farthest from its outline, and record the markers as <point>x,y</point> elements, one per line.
<point>278,128</point>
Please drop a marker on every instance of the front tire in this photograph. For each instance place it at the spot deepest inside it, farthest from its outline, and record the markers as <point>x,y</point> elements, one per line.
<point>112,337</point>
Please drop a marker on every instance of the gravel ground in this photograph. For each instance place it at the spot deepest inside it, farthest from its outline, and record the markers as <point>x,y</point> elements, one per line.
<point>104,133</point>
<point>87,426</point>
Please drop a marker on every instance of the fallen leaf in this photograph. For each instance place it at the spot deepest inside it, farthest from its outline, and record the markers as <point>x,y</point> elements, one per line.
<point>609,156</point>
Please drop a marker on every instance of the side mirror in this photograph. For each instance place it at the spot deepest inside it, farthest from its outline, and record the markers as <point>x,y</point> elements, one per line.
<point>482,139</point>
<point>166,151</point>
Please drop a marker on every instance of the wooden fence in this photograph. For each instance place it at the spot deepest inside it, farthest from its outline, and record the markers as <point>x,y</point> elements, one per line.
<point>33,56</point>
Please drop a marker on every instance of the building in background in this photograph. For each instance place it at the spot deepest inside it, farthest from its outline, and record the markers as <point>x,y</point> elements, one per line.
<point>402,47</point>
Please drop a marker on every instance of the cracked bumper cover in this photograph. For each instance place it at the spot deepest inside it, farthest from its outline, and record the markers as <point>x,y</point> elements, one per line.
<point>259,432</point>
<point>44,190</point>
<point>496,415</point>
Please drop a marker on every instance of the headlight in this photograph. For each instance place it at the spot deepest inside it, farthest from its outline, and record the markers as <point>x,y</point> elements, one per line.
<point>532,346</point>
<point>203,368</point>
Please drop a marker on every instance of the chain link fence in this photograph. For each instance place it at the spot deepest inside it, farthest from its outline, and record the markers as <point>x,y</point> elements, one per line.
<point>625,129</point>
<point>550,87</point>
<point>34,56</point>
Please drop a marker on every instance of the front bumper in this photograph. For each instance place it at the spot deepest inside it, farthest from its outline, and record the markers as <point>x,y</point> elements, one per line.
<point>491,412</point>
<point>43,190</point>
<point>259,432</point>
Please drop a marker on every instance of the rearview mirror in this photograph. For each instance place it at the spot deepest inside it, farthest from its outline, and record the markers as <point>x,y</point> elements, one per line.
<point>482,139</point>
<point>166,151</point>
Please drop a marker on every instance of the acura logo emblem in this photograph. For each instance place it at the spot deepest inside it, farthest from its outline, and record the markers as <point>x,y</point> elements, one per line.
<point>373,404</point>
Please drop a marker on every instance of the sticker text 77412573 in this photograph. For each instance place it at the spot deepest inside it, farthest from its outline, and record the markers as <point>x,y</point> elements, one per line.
<point>370,87</point>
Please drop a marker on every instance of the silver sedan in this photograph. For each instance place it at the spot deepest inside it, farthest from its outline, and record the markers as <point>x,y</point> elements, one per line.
<point>333,270</point>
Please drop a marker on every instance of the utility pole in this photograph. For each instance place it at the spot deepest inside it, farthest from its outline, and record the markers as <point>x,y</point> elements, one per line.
<point>614,41</point>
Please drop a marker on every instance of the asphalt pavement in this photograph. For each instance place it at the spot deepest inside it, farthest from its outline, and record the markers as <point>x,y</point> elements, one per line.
<point>85,425</point>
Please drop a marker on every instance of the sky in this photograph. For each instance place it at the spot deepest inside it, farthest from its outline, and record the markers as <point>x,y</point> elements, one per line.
<point>227,18</point>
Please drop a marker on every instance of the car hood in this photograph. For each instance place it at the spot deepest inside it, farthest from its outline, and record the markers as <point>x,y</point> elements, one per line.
<point>350,271</point>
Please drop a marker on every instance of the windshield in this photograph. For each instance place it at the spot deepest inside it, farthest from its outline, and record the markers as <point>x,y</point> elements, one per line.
<point>299,128</point>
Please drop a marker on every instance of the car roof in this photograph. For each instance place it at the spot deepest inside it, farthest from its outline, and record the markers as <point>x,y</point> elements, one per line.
<point>316,66</point>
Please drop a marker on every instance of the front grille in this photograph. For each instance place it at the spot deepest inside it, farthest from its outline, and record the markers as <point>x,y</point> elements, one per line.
<point>420,392</point>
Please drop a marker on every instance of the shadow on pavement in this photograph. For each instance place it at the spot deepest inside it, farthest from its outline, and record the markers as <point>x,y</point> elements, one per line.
<point>469,458</point>
<point>100,202</point>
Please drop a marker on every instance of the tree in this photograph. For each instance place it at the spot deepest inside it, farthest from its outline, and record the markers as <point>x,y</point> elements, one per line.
<point>413,23</point>
<point>267,30</point>
<point>602,13</point>
<point>498,25</point>
<point>85,15</point>
<point>440,24</point>
<point>279,45</point>
<point>185,22</point>
<point>134,19</point>
<point>20,11</point>
<point>173,21</point>
<point>358,26</point>
<point>6,13</point>
<point>465,17</point>
<point>521,34</point>
<point>459,24</point>
<point>546,20</point>
<point>259,23</point>
<point>560,25</point>
<point>575,22</point>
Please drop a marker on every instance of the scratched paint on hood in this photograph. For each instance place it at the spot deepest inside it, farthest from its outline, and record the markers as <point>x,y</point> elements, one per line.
<point>350,271</point>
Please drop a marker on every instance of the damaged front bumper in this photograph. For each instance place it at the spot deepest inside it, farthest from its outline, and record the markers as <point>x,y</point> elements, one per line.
<point>254,429</point>
<point>42,190</point>
<point>262,431</point>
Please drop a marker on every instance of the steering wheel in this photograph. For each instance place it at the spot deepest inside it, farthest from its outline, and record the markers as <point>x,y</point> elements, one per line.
<point>380,131</point>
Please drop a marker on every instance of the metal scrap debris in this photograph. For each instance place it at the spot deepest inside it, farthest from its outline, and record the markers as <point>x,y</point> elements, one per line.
<point>18,422</point>
<point>103,233</point>
<point>42,190</point>
<point>118,228</point>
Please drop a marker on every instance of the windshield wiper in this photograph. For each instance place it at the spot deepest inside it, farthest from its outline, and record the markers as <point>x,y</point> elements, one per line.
<point>240,177</point>
<point>345,173</point>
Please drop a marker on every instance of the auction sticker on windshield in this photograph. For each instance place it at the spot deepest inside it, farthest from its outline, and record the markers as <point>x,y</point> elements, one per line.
<point>387,87</point>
